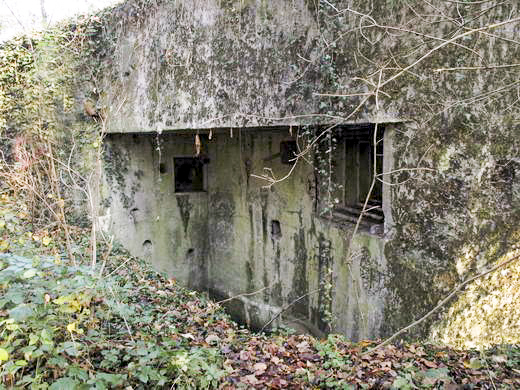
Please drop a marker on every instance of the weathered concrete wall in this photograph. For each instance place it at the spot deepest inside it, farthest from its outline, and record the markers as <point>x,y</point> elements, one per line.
<point>221,240</point>
<point>213,64</point>
<point>200,64</point>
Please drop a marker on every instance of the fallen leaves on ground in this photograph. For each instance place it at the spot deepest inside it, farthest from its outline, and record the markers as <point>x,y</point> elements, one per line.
<point>149,330</point>
<point>278,362</point>
<point>141,329</point>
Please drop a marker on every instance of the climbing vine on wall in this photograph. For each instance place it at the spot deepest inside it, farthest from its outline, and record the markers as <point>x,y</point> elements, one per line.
<point>49,122</point>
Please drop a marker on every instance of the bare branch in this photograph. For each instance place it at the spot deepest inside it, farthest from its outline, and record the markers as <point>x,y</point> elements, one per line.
<point>455,38</point>
<point>487,67</point>
<point>284,309</point>
<point>441,303</point>
<point>244,295</point>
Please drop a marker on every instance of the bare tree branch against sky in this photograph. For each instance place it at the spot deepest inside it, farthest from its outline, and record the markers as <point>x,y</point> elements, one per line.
<point>44,13</point>
<point>17,16</point>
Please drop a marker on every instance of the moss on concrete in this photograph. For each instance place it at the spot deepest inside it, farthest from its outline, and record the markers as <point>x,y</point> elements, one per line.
<point>246,63</point>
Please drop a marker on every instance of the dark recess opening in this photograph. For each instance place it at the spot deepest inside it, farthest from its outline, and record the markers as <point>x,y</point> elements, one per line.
<point>189,174</point>
<point>162,168</point>
<point>147,248</point>
<point>358,159</point>
<point>276,229</point>
<point>288,151</point>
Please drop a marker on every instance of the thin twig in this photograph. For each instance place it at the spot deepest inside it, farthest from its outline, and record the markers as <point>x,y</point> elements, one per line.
<point>122,315</point>
<point>287,307</point>
<point>441,45</point>
<point>489,374</point>
<point>244,295</point>
<point>488,67</point>
<point>106,254</point>
<point>120,266</point>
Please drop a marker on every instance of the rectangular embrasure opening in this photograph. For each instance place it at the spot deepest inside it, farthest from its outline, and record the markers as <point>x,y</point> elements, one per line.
<point>189,174</point>
<point>358,165</point>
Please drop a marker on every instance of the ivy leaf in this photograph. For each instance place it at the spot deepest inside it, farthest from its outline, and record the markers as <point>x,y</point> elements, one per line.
<point>21,312</point>
<point>29,273</point>
<point>434,375</point>
<point>46,337</point>
<point>70,348</point>
<point>112,379</point>
<point>78,373</point>
<point>403,383</point>
<point>33,339</point>
<point>64,384</point>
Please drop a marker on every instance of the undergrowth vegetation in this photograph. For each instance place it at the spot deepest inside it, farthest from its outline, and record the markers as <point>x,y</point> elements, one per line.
<point>84,327</point>
<point>120,324</point>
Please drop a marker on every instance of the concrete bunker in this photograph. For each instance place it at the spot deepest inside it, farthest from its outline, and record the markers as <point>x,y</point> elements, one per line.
<point>219,229</point>
<point>252,72</point>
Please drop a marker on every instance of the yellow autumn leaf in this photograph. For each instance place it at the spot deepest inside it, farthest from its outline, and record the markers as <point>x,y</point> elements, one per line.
<point>46,240</point>
<point>68,309</point>
<point>365,343</point>
<point>3,245</point>
<point>71,327</point>
<point>68,303</point>
<point>473,363</point>
<point>63,299</point>
<point>4,355</point>
<point>12,326</point>
<point>2,224</point>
